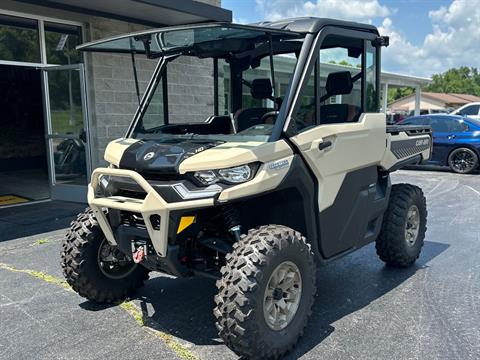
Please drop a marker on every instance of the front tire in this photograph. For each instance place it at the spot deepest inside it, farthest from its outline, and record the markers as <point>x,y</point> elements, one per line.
<point>95,269</point>
<point>266,292</point>
<point>404,225</point>
<point>463,160</point>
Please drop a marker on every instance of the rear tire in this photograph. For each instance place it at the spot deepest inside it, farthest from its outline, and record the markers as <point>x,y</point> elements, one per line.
<point>404,225</point>
<point>266,292</point>
<point>463,160</point>
<point>84,250</point>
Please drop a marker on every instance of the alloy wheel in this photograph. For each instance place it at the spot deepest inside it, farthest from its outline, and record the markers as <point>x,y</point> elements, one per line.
<point>282,296</point>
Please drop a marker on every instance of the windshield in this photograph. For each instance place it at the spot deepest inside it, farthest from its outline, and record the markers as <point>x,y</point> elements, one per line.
<point>227,89</point>
<point>160,42</point>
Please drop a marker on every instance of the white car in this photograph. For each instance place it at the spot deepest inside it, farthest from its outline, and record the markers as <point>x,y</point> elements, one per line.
<point>471,110</point>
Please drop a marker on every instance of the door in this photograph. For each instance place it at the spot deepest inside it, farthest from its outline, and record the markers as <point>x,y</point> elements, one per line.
<point>342,138</point>
<point>67,132</point>
<point>447,133</point>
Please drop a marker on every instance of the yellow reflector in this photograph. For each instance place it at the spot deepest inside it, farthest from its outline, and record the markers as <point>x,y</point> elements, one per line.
<point>185,221</point>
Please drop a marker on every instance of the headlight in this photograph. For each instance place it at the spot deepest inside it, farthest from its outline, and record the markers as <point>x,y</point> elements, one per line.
<point>234,175</point>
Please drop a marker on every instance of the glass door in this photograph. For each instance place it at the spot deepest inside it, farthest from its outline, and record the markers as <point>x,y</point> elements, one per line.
<point>67,132</point>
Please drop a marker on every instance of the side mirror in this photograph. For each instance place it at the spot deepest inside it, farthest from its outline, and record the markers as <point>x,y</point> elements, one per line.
<point>381,41</point>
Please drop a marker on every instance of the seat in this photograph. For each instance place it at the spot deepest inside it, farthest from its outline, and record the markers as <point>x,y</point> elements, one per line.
<point>338,83</point>
<point>245,118</point>
<point>338,113</point>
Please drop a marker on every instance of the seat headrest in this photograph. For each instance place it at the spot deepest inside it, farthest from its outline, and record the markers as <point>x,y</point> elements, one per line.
<point>261,89</point>
<point>339,83</point>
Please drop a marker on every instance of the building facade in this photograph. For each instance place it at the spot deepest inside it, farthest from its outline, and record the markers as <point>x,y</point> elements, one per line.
<point>60,106</point>
<point>433,102</point>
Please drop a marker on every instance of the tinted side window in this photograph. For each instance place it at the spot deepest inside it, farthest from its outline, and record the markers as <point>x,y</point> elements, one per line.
<point>439,125</point>
<point>470,110</point>
<point>417,121</point>
<point>457,126</point>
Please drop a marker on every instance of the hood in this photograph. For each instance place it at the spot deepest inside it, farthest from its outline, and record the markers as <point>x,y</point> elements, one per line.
<point>161,157</point>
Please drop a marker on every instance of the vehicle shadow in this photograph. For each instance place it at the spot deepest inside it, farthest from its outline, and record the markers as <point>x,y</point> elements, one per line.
<point>351,284</point>
<point>183,307</point>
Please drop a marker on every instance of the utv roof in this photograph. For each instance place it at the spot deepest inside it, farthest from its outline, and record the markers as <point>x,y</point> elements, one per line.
<point>184,36</point>
<point>313,24</point>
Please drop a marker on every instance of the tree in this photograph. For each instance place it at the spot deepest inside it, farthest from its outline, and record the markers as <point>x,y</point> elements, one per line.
<point>398,93</point>
<point>462,80</point>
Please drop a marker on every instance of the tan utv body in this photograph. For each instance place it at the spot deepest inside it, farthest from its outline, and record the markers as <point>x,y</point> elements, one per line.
<point>289,177</point>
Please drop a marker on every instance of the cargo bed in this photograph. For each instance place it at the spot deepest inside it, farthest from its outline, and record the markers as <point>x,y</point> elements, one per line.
<point>407,145</point>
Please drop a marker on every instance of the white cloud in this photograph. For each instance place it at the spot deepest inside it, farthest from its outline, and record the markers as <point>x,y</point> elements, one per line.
<point>454,40</point>
<point>359,10</point>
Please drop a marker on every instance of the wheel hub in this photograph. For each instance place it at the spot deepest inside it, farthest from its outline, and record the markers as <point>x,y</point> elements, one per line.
<point>112,262</point>
<point>282,296</point>
<point>412,225</point>
<point>463,161</point>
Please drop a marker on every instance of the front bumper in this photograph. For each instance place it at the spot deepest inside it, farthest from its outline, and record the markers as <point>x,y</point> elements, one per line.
<point>152,204</point>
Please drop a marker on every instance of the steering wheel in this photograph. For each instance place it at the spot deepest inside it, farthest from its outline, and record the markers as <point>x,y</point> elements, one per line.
<point>267,115</point>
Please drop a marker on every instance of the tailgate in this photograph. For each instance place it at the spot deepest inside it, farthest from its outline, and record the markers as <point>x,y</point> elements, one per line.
<point>407,145</point>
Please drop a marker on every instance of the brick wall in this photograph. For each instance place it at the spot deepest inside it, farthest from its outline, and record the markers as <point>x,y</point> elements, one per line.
<point>112,94</point>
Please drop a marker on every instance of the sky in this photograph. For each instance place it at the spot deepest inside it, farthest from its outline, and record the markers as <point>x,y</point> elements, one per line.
<point>426,36</point>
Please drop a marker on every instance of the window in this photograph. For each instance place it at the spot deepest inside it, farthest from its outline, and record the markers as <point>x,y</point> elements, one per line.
<point>470,110</point>
<point>190,90</point>
<point>306,114</point>
<point>222,89</point>
<point>340,80</point>
<point>340,90</point>
<point>371,91</point>
<point>60,42</point>
<point>154,115</point>
<point>283,65</point>
<point>420,120</point>
<point>447,124</point>
<point>224,84</point>
<point>439,124</point>
<point>458,126</point>
<point>19,39</point>
<point>454,125</point>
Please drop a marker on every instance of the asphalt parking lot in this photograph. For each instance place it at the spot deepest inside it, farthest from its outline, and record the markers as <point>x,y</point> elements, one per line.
<point>363,310</point>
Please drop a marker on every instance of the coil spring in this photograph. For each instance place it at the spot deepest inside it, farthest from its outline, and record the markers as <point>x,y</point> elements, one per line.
<point>231,216</point>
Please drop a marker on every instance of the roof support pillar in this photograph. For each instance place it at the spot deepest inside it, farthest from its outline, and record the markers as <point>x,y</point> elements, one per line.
<point>385,97</point>
<point>418,96</point>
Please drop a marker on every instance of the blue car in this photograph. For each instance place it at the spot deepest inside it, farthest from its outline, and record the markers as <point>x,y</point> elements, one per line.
<point>456,140</point>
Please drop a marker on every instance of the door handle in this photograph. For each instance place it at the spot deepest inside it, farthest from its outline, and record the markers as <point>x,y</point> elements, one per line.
<point>324,145</point>
<point>449,137</point>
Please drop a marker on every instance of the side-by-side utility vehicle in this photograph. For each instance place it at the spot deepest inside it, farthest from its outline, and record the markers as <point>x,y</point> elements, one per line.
<point>257,153</point>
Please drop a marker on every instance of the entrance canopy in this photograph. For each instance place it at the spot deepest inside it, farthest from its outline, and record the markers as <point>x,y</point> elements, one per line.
<point>147,12</point>
<point>392,80</point>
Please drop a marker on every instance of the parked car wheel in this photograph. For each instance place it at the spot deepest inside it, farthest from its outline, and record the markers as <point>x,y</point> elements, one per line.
<point>463,160</point>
